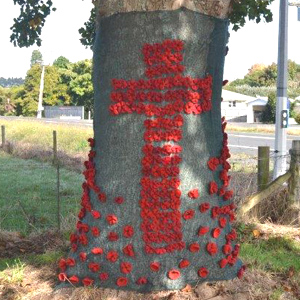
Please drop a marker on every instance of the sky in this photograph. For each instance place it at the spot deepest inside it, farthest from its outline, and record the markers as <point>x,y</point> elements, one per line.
<point>254,43</point>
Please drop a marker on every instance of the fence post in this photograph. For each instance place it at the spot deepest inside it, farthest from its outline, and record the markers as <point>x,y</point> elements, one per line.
<point>294,183</point>
<point>56,164</point>
<point>263,167</point>
<point>3,136</point>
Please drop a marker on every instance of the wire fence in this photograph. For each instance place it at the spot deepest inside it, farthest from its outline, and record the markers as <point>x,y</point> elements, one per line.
<point>40,195</point>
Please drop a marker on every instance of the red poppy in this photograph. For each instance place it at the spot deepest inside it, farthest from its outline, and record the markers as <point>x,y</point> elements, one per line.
<point>62,264</point>
<point>126,267</point>
<point>87,281</point>
<point>128,250</point>
<point>73,238</point>
<point>128,231</point>
<point>174,274</point>
<point>82,256</point>
<point>96,214</point>
<point>111,219</point>
<point>95,231</point>
<point>102,197</point>
<point>189,214</point>
<point>91,142</point>
<point>203,272</point>
<point>213,188</point>
<point>216,233</point>
<point>213,163</point>
<point>142,281</point>
<point>226,249</point>
<point>112,256</point>
<point>113,236</point>
<point>155,266</point>
<point>62,277</point>
<point>74,279</point>
<point>222,222</point>
<point>228,195</point>
<point>94,267</point>
<point>241,272</point>
<point>122,281</point>
<point>223,262</point>
<point>204,207</point>
<point>193,194</point>
<point>184,264</point>
<point>74,247</point>
<point>212,248</point>
<point>203,230</point>
<point>71,262</point>
<point>97,251</point>
<point>195,247</point>
<point>119,200</point>
<point>103,276</point>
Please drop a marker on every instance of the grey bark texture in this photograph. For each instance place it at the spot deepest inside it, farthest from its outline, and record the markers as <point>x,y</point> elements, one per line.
<point>119,142</point>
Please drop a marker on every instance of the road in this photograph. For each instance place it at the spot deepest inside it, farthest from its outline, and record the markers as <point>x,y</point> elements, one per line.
<point>249,142</point>
<point>239,142</point>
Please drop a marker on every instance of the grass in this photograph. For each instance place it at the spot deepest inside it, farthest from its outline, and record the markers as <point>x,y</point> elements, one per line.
<point>259,129</point>
<point>71,139</point>
<point>28,195</point>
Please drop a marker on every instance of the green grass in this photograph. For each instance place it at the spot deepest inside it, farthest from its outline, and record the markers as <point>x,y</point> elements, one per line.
<point>276,254</point>
<point>32,185</point>
<point>71,139</point>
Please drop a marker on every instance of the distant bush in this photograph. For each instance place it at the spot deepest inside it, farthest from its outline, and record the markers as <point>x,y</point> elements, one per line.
<point>297,118</point>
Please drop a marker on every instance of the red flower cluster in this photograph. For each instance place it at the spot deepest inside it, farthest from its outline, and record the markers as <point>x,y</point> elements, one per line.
<point>174,274</point>
<point>193,194</point>
<point>126,267</point>
<point>203,272</point>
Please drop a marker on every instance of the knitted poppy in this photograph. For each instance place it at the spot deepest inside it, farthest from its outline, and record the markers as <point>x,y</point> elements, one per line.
<point>111,219</point>
<point>195,247</point>
<point>97,251</point>
<point>128,250</point>
<point>112,256</point>
<point>241,272</point>
<point>122,281</point>
<point>223,262</point>
<point>74,279</point>
<point>203,272</point>
<point>71,262</point>
<point>82,256</point>
<point>87,281</point>
<point>204,207</point>
<point>96,214</point>
<point>119,200</point>
<point>213,163</point>
<point>174,274</point>
<point>203,230</point>
<point>142,281</point>
<point>212,248</point>
<point>95,231</point>
<point>94,267</point>
<point>213,188</point>
<point>216,233</point>
<point>62,277</point>
<point>126,267</point>
<point>112,236</point>
<point>226,249</point>
<point>193,194</point>
<point>128,231</point>
<point>103,276</point>
<point>184,264</point>
<point>155,266</point>
<point>189,214</point>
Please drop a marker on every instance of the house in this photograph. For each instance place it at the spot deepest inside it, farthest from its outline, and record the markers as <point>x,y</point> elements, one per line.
<point>234,106</point>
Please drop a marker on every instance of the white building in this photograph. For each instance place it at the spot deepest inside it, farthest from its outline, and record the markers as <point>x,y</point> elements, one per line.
<point>242,108</point>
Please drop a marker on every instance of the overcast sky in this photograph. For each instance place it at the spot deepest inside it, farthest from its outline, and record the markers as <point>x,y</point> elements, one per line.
<point>255,43</point>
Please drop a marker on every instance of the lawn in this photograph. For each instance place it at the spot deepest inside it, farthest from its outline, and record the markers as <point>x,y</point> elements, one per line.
<point>28,197</point>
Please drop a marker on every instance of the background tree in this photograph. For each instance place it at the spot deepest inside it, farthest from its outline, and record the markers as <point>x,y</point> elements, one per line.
<point>36,58</point>
<point>61,62</point>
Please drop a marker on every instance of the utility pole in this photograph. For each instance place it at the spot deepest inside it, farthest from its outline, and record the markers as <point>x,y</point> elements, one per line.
<point>40,104</point>
<point>281,104</point>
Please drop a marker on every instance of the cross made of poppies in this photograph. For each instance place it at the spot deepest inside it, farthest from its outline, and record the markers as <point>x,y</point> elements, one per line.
<point>163,97</point>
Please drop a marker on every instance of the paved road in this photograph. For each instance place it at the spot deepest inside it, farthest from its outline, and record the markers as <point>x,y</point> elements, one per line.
<point>239,142</point>
<point>249,142</point>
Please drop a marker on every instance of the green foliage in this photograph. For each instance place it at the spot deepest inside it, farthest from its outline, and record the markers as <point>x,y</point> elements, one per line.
<point>33,13</point>
<point>269,114</point>
<point>27,28</point>
<point>88,31</point>
<point>253,9</point>
<point>36,58</point>
<point>61,62</point>
<point>297,118</point>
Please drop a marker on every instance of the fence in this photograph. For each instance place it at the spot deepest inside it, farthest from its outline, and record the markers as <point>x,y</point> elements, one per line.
<point>38,195</point>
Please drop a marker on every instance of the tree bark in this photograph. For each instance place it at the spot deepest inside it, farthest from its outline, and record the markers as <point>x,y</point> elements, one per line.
<point>159,196</point>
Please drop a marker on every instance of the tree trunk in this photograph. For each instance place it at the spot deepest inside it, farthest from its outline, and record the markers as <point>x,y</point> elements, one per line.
<point>156,209</point>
